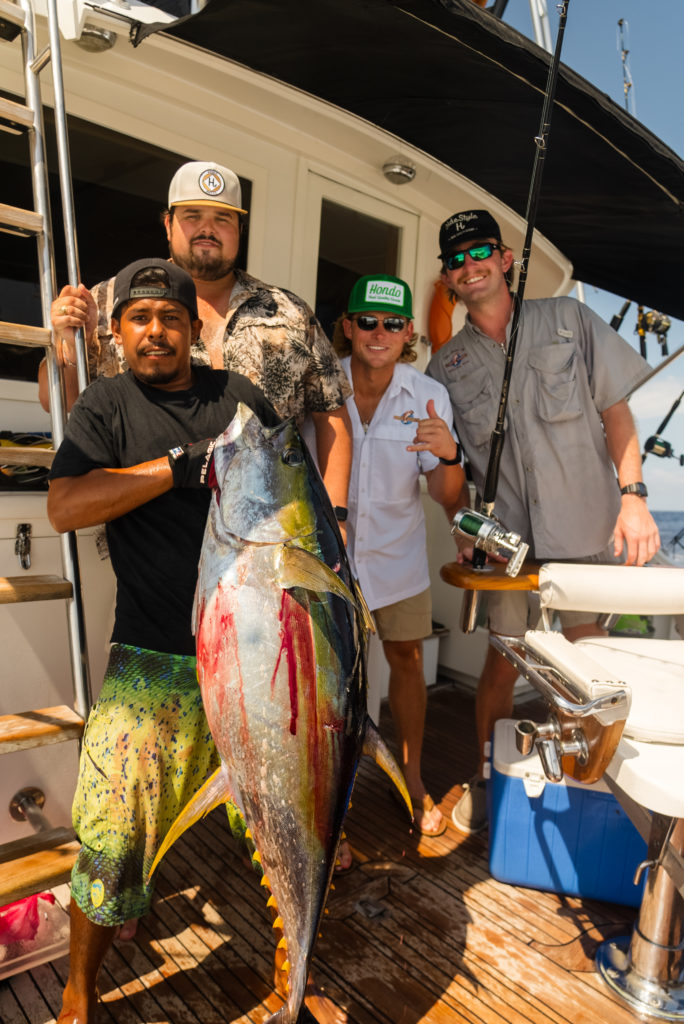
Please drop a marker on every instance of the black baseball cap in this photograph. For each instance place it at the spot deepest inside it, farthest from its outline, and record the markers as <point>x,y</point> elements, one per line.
<point>462,226</point>
<point>178,285</point>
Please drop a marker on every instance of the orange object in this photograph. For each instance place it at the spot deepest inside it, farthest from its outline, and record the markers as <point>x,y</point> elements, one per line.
<point>439,318</point>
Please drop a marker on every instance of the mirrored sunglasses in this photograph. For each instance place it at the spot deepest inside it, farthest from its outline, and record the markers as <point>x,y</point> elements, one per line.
<point>394,324</point>
<point>477,253</point>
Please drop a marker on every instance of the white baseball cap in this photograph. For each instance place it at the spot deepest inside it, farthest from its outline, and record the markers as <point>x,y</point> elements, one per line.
<point>201,183</point>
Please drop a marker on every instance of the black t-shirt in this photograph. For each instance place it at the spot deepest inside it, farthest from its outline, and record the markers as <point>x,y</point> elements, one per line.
<point>119,422</point>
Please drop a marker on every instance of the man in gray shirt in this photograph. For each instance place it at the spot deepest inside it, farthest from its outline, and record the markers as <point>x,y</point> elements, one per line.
<point>570,477</point>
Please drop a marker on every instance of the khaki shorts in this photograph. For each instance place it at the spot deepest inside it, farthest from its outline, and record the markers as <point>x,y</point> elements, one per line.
<point>512,613</point>
<point>410,619</point>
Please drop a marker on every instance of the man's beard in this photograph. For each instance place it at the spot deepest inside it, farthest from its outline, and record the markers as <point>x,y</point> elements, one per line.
<point>203,266</point>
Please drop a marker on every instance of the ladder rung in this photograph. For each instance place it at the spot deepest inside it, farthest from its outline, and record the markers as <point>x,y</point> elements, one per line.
<point>15,114</point>
<point>39,728</point>
<point>23,334</point>
<point>12,13</point>
<point>26,222</point>
<point>30,455</point>
<point>36,863</point>
<point>16,589</point>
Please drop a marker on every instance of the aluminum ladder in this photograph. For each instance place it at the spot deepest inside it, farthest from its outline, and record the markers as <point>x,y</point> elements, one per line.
<point>41,861</point>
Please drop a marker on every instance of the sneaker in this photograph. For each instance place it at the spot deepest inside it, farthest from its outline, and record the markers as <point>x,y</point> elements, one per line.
<point>470,813</point>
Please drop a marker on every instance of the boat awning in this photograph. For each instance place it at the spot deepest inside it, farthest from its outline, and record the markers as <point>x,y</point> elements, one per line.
<point>467,89</point>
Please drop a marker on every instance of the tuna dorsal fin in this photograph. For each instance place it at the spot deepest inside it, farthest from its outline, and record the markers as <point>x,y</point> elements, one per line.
<point>374,746</point>
<point>216,790</point>
<point>299,568</point>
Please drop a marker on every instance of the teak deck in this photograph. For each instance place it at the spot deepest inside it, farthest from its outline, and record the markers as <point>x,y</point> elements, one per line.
<point>417,933</point>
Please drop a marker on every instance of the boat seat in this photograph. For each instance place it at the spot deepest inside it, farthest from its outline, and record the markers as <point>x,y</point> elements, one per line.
<point>647,767</point>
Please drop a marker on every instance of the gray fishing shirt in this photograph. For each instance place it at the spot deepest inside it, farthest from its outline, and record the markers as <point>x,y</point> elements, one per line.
<point>557,484</point>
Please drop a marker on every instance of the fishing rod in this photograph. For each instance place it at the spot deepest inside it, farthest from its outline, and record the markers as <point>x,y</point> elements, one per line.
<point>498,435</point>
<point>657,445</point>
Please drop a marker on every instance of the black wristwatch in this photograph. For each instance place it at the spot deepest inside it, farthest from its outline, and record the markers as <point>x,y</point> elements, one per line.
<point>452,462</point>
<point>639,489</point>
<point>341,513</point>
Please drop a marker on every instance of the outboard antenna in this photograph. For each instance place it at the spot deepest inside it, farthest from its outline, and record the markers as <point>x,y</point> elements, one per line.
<point>627,83</point>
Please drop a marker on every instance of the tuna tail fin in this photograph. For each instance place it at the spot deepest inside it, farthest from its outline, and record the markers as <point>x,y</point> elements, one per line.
<point>374,746</point>
<point>216,790</point>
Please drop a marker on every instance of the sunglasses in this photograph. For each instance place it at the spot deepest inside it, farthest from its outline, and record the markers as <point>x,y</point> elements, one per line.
<point>477,253</point>
<point>394,324</point>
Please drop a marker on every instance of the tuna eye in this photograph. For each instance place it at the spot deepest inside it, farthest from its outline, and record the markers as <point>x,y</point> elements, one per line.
<point>292,457</point>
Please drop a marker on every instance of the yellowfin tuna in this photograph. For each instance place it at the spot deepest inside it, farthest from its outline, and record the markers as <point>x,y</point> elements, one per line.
<point>281,631</point>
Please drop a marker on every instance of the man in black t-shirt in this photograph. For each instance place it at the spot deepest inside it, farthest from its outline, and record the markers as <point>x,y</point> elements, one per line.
<point>138,456</point>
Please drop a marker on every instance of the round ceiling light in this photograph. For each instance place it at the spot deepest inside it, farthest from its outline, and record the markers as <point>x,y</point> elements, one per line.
<point>96,40</point>
<point>398,173</point>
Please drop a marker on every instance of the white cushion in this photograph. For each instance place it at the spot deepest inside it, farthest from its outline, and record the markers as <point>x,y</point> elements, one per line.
<point>628,589</point>
<point>654,672</point>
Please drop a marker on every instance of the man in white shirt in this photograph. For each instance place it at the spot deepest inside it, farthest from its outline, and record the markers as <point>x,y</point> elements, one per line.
<point>401,428</point>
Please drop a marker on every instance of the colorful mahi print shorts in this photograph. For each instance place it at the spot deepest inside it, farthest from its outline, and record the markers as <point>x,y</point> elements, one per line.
<point>147,749</point>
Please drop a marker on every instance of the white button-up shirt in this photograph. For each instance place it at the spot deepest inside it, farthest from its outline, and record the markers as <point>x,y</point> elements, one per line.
<point>386,526</point>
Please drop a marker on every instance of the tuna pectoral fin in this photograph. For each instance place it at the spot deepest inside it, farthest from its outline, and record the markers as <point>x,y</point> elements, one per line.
<point>374,746</point>
<point>216,790</point>
<point>299,568</point>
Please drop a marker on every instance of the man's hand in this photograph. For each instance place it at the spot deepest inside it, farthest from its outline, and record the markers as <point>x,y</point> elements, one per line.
<point>192,464</point>
<point>73,308</point>
<point>635,531</point>
<point>433,435</point>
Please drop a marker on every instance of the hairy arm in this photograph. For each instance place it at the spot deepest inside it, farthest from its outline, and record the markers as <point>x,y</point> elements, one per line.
<point>635,528</point>
<point>101,495</point>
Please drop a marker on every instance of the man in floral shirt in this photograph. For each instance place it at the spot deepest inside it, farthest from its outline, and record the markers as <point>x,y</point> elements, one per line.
<point>266,333</point>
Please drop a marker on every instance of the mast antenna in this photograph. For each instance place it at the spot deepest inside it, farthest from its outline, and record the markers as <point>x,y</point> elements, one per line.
<point>627,83</point>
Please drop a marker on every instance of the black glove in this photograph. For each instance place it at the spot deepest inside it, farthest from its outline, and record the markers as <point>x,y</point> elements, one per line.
<point>192,464</point>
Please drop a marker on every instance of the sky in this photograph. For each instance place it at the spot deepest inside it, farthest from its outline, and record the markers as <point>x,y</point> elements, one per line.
<point>654,36</point>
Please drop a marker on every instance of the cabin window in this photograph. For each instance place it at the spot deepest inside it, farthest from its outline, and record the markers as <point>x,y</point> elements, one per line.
<point>351,244</point>
<point>120,189</point>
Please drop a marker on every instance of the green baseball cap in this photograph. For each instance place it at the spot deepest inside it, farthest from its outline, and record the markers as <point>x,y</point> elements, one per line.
<point>383,293</point>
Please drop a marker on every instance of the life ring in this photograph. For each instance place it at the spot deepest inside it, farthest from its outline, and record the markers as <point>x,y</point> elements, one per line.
<point>439,317</point>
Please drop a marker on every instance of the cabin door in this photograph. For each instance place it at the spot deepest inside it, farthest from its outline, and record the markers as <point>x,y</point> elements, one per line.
<point>350,233</point>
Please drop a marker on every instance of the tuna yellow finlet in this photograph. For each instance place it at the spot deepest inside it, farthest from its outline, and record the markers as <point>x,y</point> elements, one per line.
<point>278,923</point>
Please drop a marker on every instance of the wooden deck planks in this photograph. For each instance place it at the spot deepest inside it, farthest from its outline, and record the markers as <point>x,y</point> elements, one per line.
<point>418,932</point>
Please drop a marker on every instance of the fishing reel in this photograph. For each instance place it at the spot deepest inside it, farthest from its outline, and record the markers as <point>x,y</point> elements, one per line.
<point>652,322</point>
<point>656,445</point>
<point>490,536</point>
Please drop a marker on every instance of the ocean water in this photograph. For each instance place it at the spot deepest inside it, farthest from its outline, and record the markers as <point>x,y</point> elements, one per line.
<point>671,525</point>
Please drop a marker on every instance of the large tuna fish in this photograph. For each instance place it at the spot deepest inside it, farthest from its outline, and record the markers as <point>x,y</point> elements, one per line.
<point>281,631</point>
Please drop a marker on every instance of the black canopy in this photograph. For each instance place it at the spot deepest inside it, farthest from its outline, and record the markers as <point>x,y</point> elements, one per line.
<point>466,88</point>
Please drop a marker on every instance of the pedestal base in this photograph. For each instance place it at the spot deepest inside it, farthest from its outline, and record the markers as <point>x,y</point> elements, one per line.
<point>613,962</point>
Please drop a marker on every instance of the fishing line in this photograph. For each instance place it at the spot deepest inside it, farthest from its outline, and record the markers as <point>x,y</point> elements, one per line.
<point>541,143</point>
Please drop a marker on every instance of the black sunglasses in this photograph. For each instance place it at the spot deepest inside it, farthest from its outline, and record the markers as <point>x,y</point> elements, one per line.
<point>477,253</point>
<point>394,324</point>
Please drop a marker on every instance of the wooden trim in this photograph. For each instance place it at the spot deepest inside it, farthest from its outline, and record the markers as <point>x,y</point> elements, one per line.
<point>23,334</point>
<point>31,455</point>
<point>492,578</point>
<point>15,113</point>
<point>28,222</point>
<point>40,869</point>
<point>16,589</point>
<point>39,728</point>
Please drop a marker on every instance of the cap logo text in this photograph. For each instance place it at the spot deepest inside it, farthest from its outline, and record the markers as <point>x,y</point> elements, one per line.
<point>211,182</point>
<point>393,294</point>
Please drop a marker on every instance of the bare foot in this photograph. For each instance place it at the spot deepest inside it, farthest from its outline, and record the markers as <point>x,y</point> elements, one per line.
<point>323,1008</point>
<point>345,859</point>
<point>427,816</point>
<point>77,1010</point>
<point>126,931</point>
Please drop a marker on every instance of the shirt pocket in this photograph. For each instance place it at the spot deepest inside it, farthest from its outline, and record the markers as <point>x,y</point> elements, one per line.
<point>555,373</point>
<point>474,404</point>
